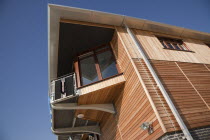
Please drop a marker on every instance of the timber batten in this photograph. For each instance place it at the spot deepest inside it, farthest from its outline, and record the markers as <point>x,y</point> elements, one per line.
<point>190,105</point>
<point>154,49</point>
<point>127,122</point>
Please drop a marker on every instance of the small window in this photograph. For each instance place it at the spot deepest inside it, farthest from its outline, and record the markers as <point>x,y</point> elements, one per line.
<point>173,44</point>
<point>96,65</point>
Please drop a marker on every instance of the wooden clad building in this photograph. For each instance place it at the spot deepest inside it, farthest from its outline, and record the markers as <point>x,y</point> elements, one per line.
<point>114,77</point>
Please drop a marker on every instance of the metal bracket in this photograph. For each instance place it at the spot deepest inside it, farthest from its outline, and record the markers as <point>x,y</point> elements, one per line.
<point>73,106</point>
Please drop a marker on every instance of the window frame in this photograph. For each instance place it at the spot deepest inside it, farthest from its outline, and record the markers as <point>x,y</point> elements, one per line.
<point>97,66</point>
<point>169,44</point>
<point>208,44</point>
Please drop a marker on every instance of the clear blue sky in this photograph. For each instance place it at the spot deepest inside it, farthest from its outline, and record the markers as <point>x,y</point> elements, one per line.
<point>24,113</point>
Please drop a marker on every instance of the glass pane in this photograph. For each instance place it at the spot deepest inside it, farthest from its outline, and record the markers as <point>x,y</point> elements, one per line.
<point>107,64</point>
<point>176,46</point>
<point>183,47</point>
<point>163,44</point>
<point>170,46</point>
<point>88,70</point>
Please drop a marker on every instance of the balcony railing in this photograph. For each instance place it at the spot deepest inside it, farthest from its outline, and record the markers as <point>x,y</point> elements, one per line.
<point>63,87</point>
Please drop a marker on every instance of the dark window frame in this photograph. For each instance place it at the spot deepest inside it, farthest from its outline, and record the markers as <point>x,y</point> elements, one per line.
<point>95,51</point>
<point>173,44</point>
<point>207,44</point>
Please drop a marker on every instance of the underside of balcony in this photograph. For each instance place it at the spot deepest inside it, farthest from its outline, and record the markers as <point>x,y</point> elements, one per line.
<point>92,101</point>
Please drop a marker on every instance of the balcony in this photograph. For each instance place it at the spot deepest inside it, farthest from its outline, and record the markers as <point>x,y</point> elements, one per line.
<point>85,79</point>
<point>69,102</point>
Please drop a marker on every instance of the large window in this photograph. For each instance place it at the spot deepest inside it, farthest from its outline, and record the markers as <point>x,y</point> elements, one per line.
<point>95,65</point>
<point>173,44</point>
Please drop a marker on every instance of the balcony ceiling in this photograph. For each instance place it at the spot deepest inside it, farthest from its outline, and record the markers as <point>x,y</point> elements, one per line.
<point>75,39</point>
<point>56,12</point>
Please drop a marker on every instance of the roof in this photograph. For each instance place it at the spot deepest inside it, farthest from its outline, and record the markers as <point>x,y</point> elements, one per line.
<point>56,12</point>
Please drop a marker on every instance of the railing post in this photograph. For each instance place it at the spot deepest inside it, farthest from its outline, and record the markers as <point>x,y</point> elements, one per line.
<point>52,91</point>
<point>76,92</point>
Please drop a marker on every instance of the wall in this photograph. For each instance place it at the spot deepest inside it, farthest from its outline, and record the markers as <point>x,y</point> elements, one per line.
<point>154,49</point>
<point>185,75</point>
<point>188,86</point>
<point>133,106</point>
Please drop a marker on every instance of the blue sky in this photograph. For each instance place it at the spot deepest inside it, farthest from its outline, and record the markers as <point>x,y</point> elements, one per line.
<point>23,53</point>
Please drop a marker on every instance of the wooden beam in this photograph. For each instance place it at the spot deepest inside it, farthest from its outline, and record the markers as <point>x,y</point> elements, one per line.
<point>82,129</point>
<point>73,106</point>
<point>85,23</point>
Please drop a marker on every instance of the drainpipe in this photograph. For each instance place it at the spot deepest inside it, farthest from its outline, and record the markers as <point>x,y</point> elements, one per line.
<point>160,85</point>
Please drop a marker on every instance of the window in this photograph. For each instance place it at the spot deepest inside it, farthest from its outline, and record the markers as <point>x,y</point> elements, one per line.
<point>173,44</point>
<point>95,65</point>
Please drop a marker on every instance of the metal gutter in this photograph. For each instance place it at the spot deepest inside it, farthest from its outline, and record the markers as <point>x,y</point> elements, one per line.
<point>161,87</point>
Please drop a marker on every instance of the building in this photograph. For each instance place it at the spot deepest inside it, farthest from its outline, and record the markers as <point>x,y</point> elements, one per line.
<point>113,77</point>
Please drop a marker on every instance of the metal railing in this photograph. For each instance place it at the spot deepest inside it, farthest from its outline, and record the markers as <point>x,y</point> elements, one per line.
<point>63,87</point>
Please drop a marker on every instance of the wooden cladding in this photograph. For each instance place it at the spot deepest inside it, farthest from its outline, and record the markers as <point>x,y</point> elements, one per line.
<point>133,107</point>
<point>154,49</point>
<point>199,77</point>
<point>100,93</point>
<point>164,111</point>
<point>186,83</point>
<point>188,86</point>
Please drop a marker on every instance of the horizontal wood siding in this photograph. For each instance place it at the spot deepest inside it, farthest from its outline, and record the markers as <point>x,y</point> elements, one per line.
<point>188,85</point>
<point>165,113</point>
<point>103,85</point>
<point>99,96</point>
<point>199,76</point>
<point>154,49</point>
<point>133,107</point>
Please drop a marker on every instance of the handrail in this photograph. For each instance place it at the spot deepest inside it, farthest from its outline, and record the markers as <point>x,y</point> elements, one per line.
<point>63,87</point>
<point>66,75</point>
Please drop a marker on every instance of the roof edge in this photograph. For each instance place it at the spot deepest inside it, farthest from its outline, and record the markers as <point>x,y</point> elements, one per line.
<point>62,7</point>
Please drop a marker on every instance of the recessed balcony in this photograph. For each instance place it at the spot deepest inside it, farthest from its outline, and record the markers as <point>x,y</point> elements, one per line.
<point>88,79</point>
<point>91,101</point>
